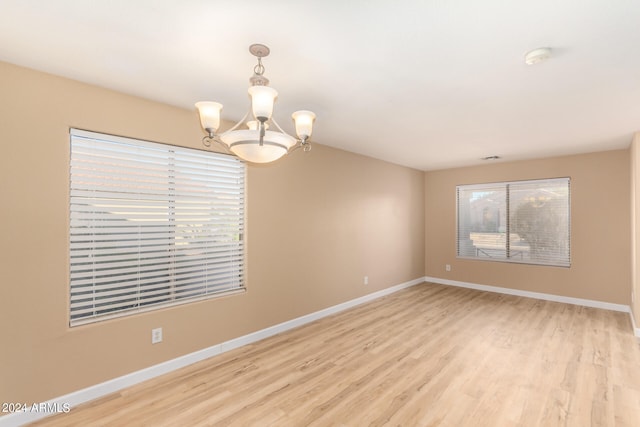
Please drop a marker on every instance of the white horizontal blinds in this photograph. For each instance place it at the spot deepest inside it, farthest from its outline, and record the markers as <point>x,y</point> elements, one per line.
<point>151,225</point>
<point>523,221</point>
<point>540,226</point>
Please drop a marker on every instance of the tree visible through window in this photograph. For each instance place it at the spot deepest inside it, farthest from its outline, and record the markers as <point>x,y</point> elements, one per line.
<point>523,221</point>
<point>151,225</point>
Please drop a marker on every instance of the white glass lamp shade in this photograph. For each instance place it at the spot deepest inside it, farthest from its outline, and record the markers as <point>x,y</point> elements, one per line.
<point>255,125</point>
<point>303,120</point>
<point>245,144</point>
<point>262,99</point>
<point>209,115</point>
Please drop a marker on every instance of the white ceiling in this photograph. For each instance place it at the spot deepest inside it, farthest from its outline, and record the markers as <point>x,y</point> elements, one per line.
<point>428,84</point>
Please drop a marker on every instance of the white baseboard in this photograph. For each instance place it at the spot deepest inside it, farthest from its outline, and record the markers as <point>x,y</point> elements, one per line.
<point>539,295</point>
<point>99,390</point>
<point>636,329</point>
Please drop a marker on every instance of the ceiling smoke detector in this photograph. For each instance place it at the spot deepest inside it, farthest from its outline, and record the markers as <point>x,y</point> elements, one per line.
<point>537,55</point>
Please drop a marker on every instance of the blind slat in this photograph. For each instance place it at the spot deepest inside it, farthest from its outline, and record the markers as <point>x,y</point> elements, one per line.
<point>145,286</point>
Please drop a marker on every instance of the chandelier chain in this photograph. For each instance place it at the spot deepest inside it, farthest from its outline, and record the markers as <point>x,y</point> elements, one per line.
<point>259,68</point>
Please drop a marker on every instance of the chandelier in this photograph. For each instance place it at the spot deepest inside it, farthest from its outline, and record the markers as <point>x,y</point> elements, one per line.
<point>259,139</point>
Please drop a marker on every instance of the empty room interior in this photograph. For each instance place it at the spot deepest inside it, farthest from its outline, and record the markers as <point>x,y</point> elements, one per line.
<point>419,213</point>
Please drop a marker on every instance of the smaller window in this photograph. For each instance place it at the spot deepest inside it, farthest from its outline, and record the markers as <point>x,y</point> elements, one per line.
<point>522,221</point>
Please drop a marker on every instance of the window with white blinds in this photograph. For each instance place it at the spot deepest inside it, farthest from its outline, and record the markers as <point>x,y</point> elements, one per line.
<point>523,221</point>
<point>151,225</point>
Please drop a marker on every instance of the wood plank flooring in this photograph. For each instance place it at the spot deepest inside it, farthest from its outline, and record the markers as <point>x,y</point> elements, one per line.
<point>430,355</point>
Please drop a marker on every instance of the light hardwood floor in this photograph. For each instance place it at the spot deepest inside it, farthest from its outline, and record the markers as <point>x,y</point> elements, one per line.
<point>429,355</point>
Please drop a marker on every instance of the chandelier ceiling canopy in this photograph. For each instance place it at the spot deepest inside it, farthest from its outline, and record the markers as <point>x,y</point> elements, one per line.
<point>257,137</point>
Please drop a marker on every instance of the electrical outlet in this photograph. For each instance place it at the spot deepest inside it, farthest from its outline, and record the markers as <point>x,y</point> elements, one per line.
<point>447,267</point>
<point>366,280</point>
<point>156,335</point>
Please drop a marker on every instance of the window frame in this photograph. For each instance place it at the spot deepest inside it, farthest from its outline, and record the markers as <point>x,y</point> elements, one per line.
<point>193,181</point>
<point>508,258</point>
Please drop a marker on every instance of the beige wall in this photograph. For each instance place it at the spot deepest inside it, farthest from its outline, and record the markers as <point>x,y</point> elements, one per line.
<point>600,227</point>
<point>317,223</point>
<point>635,227</point>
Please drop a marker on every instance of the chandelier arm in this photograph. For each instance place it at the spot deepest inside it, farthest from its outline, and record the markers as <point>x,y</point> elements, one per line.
<point>305,145</point>
<point>294,148</point>
<point>224,147</point>
<point>237,124</point>
<point>273,120</point>
<point>206,141</point>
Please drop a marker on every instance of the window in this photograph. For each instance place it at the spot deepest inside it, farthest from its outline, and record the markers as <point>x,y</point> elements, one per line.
<point>151,225</point>
<point>523,221</point>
